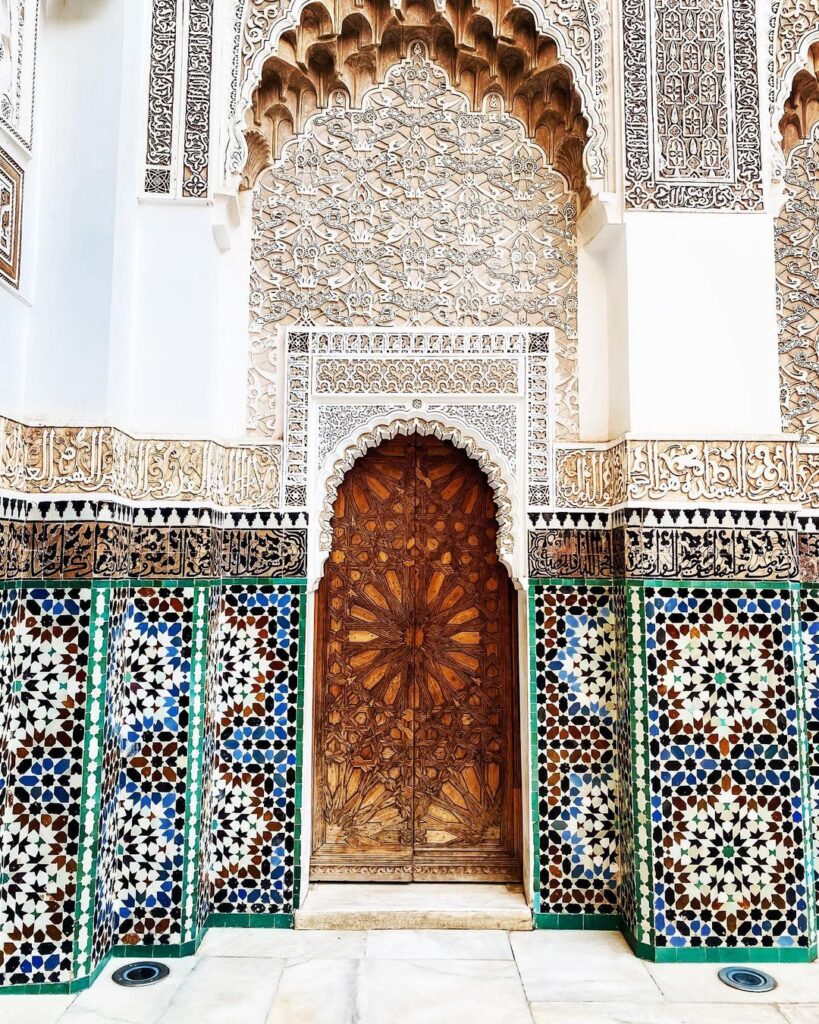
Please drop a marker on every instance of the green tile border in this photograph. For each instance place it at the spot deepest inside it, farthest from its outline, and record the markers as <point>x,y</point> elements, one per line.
<point>250,921</point>
<point>93,740</point>
<point>577,922</point>
<point>192,828</point>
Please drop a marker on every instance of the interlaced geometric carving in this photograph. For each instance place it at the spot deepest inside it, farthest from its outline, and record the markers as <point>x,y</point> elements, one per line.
<point>692,110</point>
<point>412,209</point>
<point>797,278</point>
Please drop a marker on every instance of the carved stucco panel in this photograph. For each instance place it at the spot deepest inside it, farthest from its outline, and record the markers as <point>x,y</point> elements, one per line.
<point>691,96</point>
<point>412,211</point>
<point>797,280</point>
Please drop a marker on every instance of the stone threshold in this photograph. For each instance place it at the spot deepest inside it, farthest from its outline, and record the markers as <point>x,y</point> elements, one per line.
<point>354,906</point>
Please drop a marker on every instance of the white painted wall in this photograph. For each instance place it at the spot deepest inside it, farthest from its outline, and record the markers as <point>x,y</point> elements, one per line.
<point>702,349</point>
<point>602,327</point>
<point>78,111</point>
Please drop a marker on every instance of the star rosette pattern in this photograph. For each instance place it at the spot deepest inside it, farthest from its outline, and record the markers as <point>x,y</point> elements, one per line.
<point>576,724</point>
<point>726,799</point>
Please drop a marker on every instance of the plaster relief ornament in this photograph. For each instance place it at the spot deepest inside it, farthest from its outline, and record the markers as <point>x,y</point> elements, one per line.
<point>692,111</point>
<point>412,209</point>
<point>18,31</point>
<point>797,278</point>
<point>576,32</point>
<point>11,212</point>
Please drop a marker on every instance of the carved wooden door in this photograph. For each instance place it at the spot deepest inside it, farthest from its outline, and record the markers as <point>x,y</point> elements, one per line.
<point>416,770</point>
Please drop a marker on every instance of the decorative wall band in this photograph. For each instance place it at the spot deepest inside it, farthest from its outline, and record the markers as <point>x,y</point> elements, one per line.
<point>86,550</point>
<point>692,105</point>
<point>645,552</point>
<point>197,100</point>
<point>161,89</point>
<point>676,472</point>
<point>43,460</point>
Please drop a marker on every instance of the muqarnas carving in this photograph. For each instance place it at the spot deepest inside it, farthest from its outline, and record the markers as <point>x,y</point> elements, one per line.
<point>411,208</point>
<point>692,104</point>
<point>11,213</point>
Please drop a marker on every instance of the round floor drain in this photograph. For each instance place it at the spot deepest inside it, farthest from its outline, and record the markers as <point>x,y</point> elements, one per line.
<point>747,979</point>
<point>142,972</point>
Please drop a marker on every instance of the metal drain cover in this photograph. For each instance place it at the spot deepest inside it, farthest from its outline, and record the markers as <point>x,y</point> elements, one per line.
<point>747,979</point>
<point>139,973</point>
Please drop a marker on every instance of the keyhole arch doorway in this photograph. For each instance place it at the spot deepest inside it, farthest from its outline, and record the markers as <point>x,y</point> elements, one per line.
<point>417,757</point>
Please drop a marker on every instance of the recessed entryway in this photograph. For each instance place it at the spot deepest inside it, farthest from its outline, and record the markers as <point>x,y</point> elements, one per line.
<point>417,771</point>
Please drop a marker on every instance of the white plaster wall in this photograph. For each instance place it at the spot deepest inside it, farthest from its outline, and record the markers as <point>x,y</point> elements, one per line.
<point>702,344</point>
<point>13,333</point>
<point>603,331</point>
<point>78,112</point>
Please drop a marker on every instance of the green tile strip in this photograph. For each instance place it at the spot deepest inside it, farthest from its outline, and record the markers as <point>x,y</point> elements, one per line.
<point>196,732</point>
<point>641,781</point>
<point>91,780</point>
<point>250,921</point>
<point>578,922</point>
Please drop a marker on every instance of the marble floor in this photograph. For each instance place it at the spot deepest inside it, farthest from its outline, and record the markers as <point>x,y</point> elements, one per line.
<point>249,976</point>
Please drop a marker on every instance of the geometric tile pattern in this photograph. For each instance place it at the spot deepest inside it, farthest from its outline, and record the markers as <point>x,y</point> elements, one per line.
<point>810,652</point>
<point>43,787</point>
<point>252,857</point>
<point>149,738</point>
<point>108,851</point>
<point>574,670</point>
<point>725,768</point>
<point>154,753</point>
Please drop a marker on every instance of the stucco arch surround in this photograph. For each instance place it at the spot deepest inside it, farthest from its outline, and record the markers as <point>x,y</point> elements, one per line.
<point>581,29</point>
<point>793,31</point>
<point>329,474</point>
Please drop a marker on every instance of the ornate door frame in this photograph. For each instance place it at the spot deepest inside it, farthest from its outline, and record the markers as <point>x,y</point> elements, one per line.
<point>348,390</point>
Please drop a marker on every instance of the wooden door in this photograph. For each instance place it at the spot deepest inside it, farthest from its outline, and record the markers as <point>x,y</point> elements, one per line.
<point>416,766</point>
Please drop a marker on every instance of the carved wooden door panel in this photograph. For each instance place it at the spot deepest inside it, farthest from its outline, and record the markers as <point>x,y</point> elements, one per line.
<point>416,771</point>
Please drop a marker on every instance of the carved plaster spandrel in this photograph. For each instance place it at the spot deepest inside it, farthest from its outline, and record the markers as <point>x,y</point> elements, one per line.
<point>412,210</point>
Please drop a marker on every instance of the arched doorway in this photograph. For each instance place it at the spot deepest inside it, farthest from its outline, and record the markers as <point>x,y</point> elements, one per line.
<point>416,748</point>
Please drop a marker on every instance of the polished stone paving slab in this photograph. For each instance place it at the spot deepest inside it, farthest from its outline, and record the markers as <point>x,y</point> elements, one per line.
<point>375,905</point>
<point>252,976</point>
